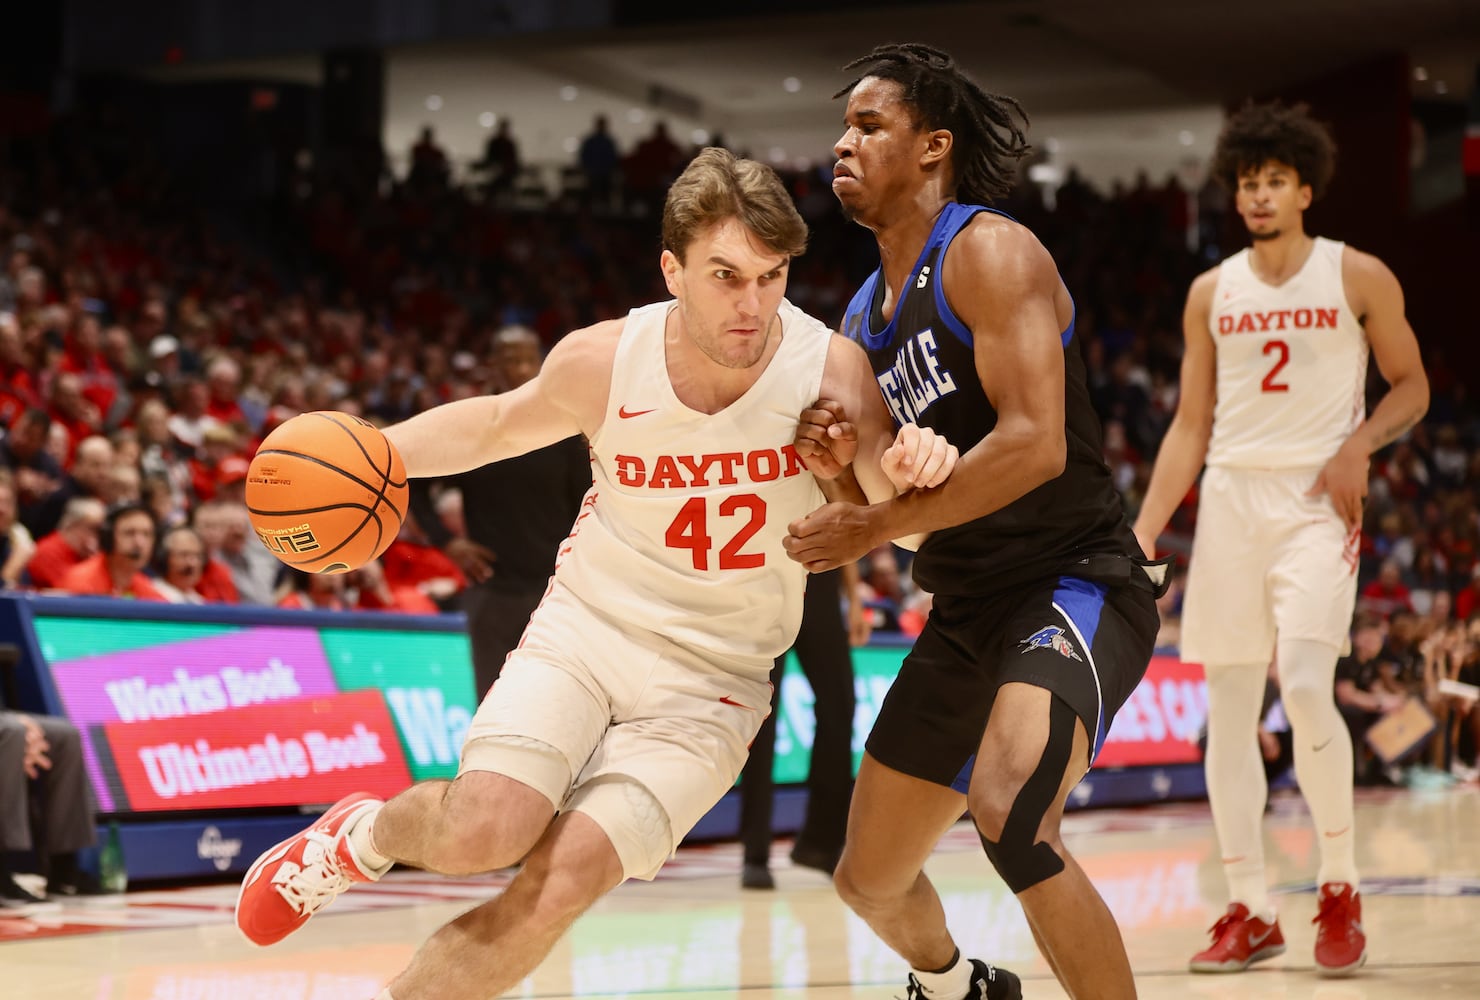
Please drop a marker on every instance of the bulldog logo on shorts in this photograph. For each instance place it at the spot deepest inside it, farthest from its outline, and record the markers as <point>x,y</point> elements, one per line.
<point>1050,637</point>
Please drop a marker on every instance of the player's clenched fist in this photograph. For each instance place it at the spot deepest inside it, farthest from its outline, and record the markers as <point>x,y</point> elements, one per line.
<point>919,458</point>
<point>826,440</point>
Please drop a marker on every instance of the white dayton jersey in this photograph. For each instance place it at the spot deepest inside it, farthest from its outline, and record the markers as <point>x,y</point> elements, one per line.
<point>681,532</point>
<point>1292,364</point>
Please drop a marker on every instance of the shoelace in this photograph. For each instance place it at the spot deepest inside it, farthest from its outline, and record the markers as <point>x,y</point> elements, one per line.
<point>311,886</point>
<point>913,990</point>
<point>1224,922</point>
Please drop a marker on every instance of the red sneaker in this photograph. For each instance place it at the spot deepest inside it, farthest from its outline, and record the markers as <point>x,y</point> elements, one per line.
<point>1341,944</point>
<point>1239,940</point>
<point>303,874</point>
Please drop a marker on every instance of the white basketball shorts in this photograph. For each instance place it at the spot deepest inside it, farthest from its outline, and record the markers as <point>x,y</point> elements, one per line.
<point>619,705</point>
<point>1267,561</point>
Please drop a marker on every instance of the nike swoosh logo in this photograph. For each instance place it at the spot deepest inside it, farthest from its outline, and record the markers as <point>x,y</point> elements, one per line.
<point>727,700</point>
<point>1256,941</point>
<point>266,862</point>
<point>627,414</point>
<point>1323,746</point>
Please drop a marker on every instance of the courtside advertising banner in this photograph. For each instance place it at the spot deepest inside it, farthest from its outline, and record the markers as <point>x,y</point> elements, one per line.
<point>1159,724</point>
<point>184,715</point>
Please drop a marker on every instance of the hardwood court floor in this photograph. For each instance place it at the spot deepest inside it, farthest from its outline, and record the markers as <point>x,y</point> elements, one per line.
<point>695,934</point>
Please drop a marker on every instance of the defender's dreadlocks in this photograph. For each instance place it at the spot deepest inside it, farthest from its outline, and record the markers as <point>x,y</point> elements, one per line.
<point>1259,133</point>
<point>988,139</point>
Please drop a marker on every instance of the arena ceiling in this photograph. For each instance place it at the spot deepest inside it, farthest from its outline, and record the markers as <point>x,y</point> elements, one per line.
<point>1135,75</point>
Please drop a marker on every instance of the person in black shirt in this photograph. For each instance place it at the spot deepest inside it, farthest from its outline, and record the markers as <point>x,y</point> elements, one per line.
<point>1044,612</point>
<point>822,651</point>
<point>517,511</point>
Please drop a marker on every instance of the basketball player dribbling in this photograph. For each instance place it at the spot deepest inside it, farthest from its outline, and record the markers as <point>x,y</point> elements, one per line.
<point>627,709</point>
<point>1273,402</point>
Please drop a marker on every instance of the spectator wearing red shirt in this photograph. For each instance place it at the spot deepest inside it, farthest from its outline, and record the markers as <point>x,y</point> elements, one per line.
<point>17,387</point>
<point>127,543</point>
<point>375,594</point>
<point>75,539</point>
<point>1387,594</point>
<point>84,357</point>
<point>69,407</point>
<point>1467,600</point>
<point>315,592</point>
<point>224,386</point>
<point>413,561</point>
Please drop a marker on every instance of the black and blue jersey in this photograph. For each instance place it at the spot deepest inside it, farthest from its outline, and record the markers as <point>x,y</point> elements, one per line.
<point>925,365</point>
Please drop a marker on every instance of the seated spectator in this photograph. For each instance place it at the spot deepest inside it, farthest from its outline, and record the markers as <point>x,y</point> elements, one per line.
<point>882,590</point>
<point>17,386</point>
<point>413,561</point>
<point>75,540</point>
<point>1467,600</point>
<point>373,593</point>
<point>1426,578</point>
<point>1453,655</point>
<point>43,747</point>
<point>1386,594</point>
<point>126,544</point>
<point>192,413</point>
<point>231,543</point>
<point>314,592</point>
<point>179,571</point>
<point>90,476</point>
<point>23,451</point>
<point>224,387</point>
<point>219,460</point>
<point>1362,696</point>
<point>16,545</point>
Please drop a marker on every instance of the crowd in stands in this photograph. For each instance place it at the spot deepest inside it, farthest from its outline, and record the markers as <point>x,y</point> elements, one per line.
<point>144,354</point>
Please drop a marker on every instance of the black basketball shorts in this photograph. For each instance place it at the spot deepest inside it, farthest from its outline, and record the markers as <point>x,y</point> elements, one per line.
<point>1086,642</point>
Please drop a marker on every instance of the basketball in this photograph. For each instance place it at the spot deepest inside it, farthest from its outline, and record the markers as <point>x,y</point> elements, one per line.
<point>326,492</point>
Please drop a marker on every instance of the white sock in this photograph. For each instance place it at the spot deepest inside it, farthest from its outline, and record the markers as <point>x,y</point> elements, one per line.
<point>362,842</point>
<point>1237,789</point>
<point>951,983</point>
<point>1323,752</point>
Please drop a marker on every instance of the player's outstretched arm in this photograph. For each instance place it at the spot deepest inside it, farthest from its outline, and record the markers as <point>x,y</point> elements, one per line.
<point>1377,298</point>
<point>567,397</point>
<point>1185,444</point>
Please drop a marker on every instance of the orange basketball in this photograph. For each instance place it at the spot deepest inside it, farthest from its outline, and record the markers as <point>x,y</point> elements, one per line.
<point>326,492</point>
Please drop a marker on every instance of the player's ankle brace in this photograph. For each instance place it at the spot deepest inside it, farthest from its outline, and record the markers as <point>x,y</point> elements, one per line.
<point>1021,862</point>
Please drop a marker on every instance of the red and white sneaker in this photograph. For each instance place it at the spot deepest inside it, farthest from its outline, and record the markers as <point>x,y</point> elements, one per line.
<point>1239,940</point>
<point>303,874</point>
<point>1341,944</point>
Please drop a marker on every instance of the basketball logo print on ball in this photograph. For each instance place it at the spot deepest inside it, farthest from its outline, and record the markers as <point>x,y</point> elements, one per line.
<point>326,492</point>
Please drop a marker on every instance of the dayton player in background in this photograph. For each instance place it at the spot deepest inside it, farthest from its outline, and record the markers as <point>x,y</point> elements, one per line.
<point>1273,400</point>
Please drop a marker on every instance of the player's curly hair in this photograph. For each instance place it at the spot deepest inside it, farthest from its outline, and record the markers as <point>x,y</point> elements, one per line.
<point>1259,133</point>
<point>989,141</point>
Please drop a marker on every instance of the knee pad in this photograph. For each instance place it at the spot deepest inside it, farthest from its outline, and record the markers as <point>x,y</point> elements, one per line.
<point>528,761</point>
<point>631,817</point>
<point>1021,862</point>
